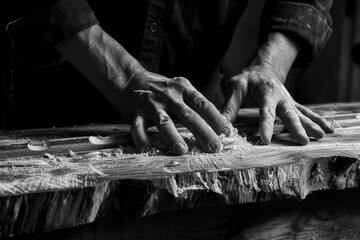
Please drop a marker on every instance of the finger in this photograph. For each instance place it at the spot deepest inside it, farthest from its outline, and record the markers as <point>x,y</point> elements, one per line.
<point>321,121</point>
<point>207,111</point>
<point>287,114</point>
<point>139,135</point>
<point>169,133</point>
<point>233,98</point>
<point>206,137</point>
<point>267,112</point>
<point>231,106</point>
<point>311,128</point>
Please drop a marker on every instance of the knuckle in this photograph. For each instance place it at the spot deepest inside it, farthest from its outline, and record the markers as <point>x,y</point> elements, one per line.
<point>254,75</point>
<point>229,108</point>
<point>284,110</point>
<point>286,113</point>
<point>163,119</point>
<point>270,110</point>
<point>229,112</point>
<point>167,82</point>
<point>187,116</point>
<point>201,104</point>
<point>183,81</point>
<point>238,83</point>
<point>267,86</point>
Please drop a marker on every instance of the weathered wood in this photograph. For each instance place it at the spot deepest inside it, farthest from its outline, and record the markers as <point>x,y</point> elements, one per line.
<point>330,215</point>
<point>60,190</point>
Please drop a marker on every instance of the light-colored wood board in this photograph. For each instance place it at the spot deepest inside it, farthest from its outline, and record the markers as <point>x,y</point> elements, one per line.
<point>68,191</point>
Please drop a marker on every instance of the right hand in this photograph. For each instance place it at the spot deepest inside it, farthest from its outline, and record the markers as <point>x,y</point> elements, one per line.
<point>144,98</point>
<point>151,99</point>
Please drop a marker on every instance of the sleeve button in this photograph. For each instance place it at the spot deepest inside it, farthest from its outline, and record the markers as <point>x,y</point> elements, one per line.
<point>154,27</point>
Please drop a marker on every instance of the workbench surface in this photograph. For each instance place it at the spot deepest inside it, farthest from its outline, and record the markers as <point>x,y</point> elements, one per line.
<point>56,178</point>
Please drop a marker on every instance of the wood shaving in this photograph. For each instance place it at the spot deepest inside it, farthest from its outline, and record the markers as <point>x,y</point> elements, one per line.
<point>97,170</point>
<point>48,155</point>
<point>235,141</point>
<point>172,164</point>
<point>38,145</point>
<point>100,140</point>
<point>91,155</point>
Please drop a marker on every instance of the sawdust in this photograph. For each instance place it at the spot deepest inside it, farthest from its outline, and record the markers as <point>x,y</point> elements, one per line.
<point>235,144</point>
<point>21,171</point>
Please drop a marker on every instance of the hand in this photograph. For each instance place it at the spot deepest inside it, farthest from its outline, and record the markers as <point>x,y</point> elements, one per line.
<point>151,99</point>
<point>144,98</point>
<point>261,84</point>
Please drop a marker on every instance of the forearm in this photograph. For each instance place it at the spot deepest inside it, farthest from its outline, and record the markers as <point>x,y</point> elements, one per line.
<point>102,60</point>
<point>34,36</point>
<point>280,51</point>
<point>309,21</point>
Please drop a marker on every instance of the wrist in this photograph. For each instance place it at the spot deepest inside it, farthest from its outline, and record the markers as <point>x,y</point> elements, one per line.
<point>102,60</point>
<point>279,51</point>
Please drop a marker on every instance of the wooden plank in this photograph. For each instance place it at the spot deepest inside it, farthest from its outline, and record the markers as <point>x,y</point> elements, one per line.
<point>321,216</point>
<point>68,190</point>
<point>14,143</point>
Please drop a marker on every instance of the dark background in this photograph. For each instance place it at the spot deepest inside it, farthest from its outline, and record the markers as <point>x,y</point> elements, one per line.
<point>44,99</point>
<point>333,76</point>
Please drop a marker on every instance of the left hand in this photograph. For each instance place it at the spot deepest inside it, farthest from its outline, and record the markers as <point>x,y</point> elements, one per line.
<point>262,85</point>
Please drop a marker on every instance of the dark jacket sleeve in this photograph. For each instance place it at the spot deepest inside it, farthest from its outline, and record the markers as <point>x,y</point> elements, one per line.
<point>16,9</point>
<point>309,20</point>
<point>34,36</point>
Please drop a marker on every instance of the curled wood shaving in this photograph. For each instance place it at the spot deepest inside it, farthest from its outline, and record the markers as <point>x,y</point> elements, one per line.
<point>234,141</point>
<point>100,140</point>
<point>38,145</point>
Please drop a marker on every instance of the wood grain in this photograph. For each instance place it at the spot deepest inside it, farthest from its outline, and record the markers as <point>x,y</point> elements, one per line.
<point>63,191</point>
<point>330,215</point>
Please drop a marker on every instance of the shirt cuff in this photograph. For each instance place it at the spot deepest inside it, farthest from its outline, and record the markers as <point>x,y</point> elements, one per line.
<point>35,36</point>
<point>305,21</point>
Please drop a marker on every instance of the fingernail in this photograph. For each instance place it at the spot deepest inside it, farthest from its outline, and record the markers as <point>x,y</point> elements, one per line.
<point>304,141</point>
<point>226,131</point>
<point>265,141</point>
<point>180,149</point>
<point>225,115</point>
<point>146,149</point>
<point>265,138</point>
<point>214,146</point>
<point>330,127</point>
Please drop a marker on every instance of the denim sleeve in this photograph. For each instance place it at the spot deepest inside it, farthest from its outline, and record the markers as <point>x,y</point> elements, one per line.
<point>34,36</point>
<point>309,20</point>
